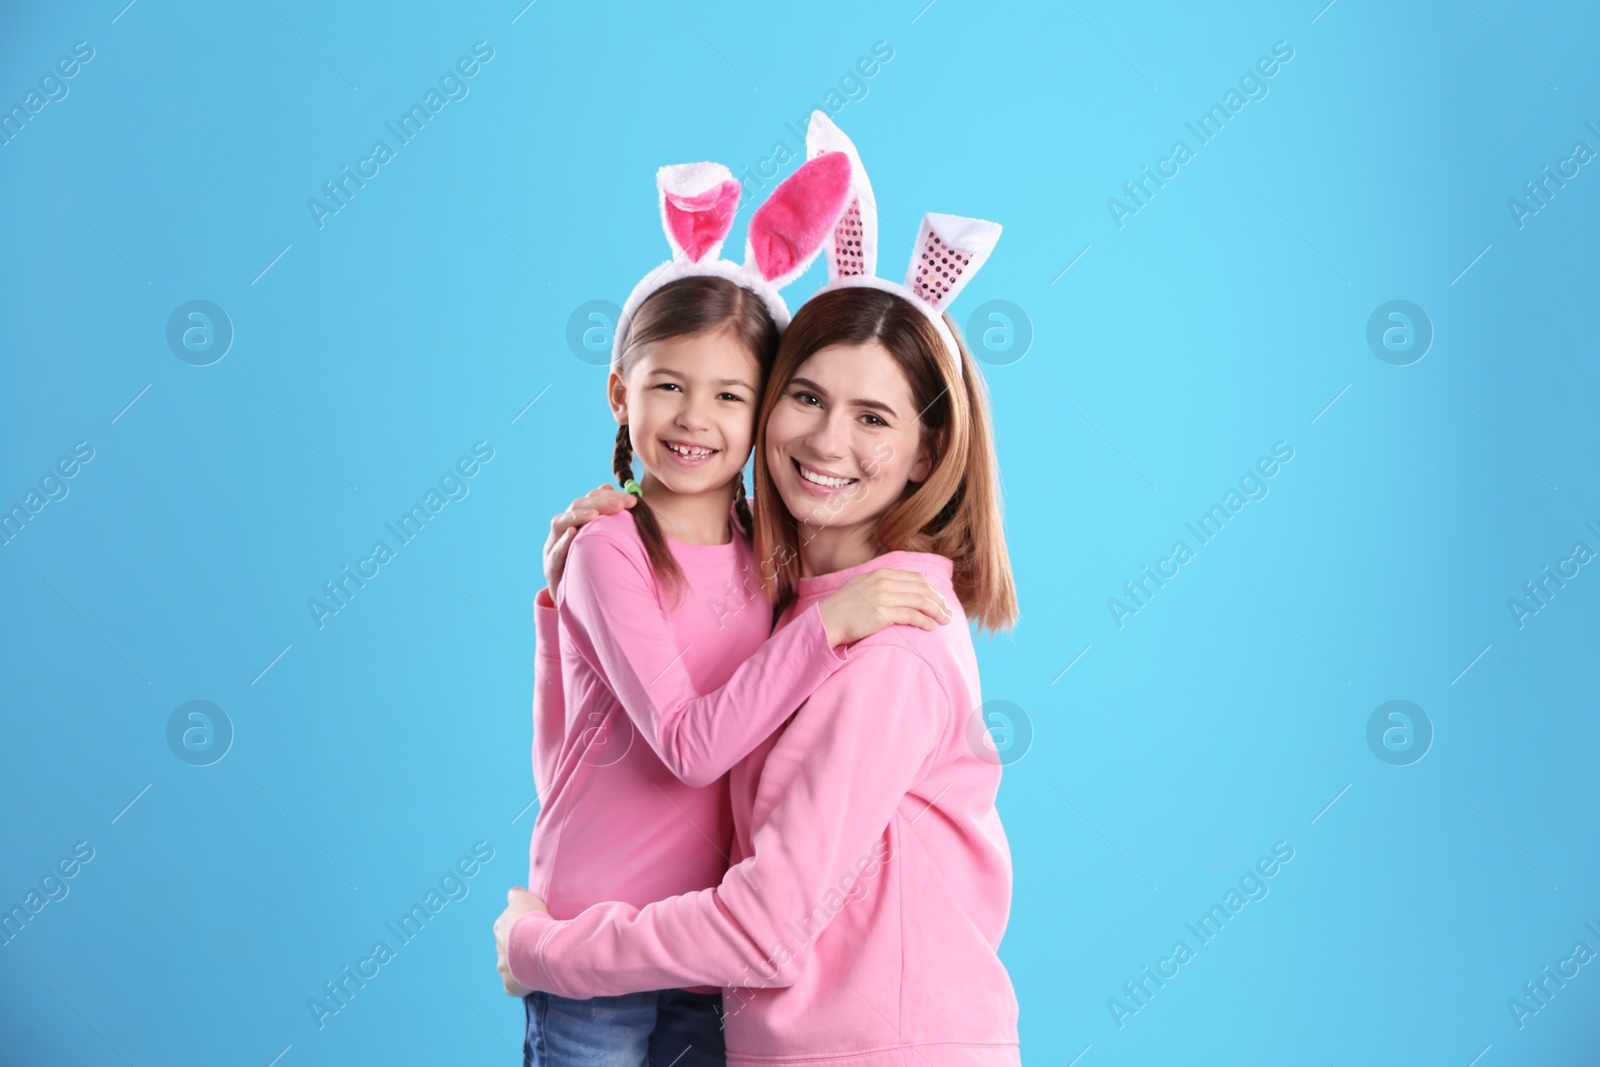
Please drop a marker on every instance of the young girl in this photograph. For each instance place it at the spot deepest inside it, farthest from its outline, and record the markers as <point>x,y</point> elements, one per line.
<point>861,922</point>
<point>661,604</point>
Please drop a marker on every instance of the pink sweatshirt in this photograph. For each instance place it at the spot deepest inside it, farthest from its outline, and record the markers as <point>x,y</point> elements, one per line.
<point>652,703</point>
<point>873,881</point>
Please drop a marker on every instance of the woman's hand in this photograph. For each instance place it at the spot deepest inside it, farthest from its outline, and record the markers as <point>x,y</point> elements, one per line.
<point>880,598</point>
<point>605,500</point>
<point>519,903</point>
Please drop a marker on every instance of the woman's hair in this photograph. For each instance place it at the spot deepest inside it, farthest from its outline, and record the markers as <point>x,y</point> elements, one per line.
<point>955,511</point>
<point>699,304</point>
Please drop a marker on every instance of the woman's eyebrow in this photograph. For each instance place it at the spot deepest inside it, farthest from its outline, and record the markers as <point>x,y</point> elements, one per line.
<point>862,402</point>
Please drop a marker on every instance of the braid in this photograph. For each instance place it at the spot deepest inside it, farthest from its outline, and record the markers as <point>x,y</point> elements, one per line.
<point>662,563</point>
<point>622,456</point>
<point>741,506</point>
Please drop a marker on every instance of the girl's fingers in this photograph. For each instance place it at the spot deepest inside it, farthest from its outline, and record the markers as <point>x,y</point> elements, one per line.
<point>913,617</point>
<point>916,607</point>
<point>910,579</point>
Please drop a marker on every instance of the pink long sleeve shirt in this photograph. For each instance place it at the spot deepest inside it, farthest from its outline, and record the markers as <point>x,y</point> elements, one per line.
<point>642,705</point>
<point>873,883</point>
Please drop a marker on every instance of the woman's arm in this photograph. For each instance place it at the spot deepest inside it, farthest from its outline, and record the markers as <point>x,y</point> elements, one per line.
<point>834,782</point>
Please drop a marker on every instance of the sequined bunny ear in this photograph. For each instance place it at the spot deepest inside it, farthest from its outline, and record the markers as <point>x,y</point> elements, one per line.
<point>948,251</point>
<point>853,245</point>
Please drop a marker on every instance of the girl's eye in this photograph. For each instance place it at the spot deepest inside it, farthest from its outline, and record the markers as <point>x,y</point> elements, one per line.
<point>668,385</point>
<point>730,396</point>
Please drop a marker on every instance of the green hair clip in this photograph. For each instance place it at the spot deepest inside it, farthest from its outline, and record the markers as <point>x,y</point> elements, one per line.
<point>631,486</point>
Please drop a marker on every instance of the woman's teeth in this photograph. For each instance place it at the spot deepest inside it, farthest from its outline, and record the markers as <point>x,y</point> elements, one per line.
<point>820,479</point>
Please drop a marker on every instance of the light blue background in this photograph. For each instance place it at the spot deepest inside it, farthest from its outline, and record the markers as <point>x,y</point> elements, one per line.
<point>1226,315</point>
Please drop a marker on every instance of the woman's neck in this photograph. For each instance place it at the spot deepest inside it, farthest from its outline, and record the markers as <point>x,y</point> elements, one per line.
<point>836,550</point>
<point>693,518</point>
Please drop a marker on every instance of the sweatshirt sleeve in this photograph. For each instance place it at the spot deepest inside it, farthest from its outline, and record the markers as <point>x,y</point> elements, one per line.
<point>833,784</point>
<point>549,704</point>
<point>609,595</point>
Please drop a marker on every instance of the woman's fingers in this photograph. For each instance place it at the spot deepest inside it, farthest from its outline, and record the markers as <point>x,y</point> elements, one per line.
<point>568,519</point>
<point>605,499</point>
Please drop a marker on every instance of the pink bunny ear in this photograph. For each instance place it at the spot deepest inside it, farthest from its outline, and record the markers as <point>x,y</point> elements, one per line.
<point>949,251</point>
<point>788,231</point>
<point>698,202</point>
<point>853,246</point>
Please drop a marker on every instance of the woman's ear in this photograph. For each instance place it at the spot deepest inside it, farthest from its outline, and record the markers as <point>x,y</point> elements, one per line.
<point>926,450</point>
<point>617,397</point>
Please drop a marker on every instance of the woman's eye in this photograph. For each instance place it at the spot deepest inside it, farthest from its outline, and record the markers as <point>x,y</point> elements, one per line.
<point>873,420</point>
<point>805,398</point>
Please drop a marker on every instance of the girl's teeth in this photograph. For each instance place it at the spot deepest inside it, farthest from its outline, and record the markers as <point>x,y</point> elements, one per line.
<point>695,453</point>
<point>831,483</point>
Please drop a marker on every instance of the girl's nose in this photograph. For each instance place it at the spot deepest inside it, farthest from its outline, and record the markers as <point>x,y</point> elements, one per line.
<point>690,417</point>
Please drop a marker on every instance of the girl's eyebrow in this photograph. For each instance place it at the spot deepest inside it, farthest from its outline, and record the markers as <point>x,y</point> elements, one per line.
<point>860,402</point>
<point>669,372</point>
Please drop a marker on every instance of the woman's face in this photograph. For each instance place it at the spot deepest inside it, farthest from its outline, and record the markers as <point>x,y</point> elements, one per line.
<point>844,440</point>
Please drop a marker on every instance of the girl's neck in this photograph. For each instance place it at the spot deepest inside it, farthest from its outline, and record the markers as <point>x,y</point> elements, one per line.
<point>695,518</point>
<point>836,550</point>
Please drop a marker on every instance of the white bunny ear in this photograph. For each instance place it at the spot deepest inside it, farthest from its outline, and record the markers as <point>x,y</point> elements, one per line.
<point>698,202</point>
<point>950,249</point>
<point>853,247</point>
<point>788,231</point>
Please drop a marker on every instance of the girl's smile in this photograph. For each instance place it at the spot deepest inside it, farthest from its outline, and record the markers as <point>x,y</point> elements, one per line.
<point>687,454</point>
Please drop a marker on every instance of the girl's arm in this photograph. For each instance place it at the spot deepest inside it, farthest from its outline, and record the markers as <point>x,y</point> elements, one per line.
<point>617,622</point>
<point>549,705</point>
<point>549,702</point>
<point>834,783</point>
<point>700,736</point>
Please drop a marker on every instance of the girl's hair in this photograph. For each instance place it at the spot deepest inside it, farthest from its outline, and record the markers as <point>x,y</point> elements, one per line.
<point>955,511</point>
<point>700,304</point>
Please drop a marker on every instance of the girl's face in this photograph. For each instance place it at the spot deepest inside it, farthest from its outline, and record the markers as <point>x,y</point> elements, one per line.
<point>689,404</point>
<point>844,441</point>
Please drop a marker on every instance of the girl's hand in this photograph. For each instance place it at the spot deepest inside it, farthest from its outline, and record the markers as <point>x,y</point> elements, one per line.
<point>596,502</point>
<point>519,903</point>
<point>880,598</point>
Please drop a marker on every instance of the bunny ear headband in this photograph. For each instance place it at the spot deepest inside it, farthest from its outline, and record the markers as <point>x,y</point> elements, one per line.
<point>949,249</point>
<point>698,202</point>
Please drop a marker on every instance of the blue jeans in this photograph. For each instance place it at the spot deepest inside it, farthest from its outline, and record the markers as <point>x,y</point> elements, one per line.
<point>665,1028</point>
